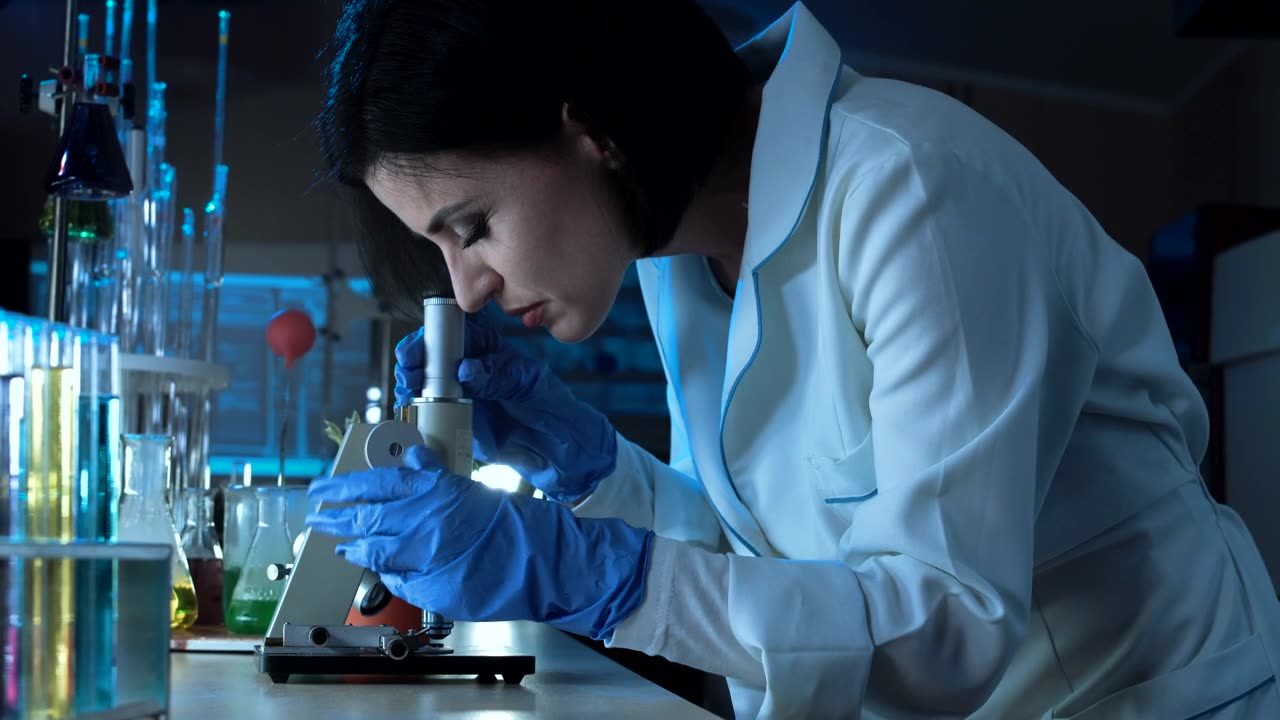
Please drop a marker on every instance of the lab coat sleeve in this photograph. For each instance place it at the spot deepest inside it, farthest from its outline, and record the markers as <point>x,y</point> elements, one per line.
<point>979,373</point>
<point>648,493</point>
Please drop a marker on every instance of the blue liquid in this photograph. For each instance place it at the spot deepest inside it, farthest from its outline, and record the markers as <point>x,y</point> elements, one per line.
<point>97,519</point>
<point>98,511</point>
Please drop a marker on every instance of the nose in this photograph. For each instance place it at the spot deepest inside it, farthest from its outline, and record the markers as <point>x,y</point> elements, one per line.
<point>474,282</point>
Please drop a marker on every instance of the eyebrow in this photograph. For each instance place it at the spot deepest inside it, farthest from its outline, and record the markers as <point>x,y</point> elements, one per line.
<point>446,213</point>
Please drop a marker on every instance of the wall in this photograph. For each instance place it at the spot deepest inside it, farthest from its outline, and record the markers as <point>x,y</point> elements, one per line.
<point>1138,171</point>
<point>1115,160</point>
<point>1226,136</point>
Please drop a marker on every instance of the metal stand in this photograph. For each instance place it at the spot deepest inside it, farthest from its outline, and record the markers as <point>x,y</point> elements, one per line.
<point>380,650</point>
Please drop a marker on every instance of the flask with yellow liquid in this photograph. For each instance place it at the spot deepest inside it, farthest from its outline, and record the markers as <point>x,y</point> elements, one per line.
<point>144,516</point>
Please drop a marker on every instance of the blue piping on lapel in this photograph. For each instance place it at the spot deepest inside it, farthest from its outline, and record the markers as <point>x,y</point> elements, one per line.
<point>755,280</point>
<point>664,274</point>
<point>852,498</point>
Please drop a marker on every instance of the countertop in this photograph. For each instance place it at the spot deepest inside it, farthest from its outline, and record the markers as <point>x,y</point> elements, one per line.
<point>570,681</point>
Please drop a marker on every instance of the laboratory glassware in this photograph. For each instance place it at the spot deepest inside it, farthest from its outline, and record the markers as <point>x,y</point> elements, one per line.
<point>14,331</point>
<point>296,513</point>
<point>140,649</point>
<point>204,555</point>
<point>48,584</point>
<point>89,164</point>
<point>239,522</point>
<point>97,505</point>
<point>256,594</point>
<point>144,516</point>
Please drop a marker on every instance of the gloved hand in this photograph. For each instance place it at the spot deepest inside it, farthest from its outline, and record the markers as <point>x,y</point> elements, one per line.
<point>454,546</point>
<point>523,416</point>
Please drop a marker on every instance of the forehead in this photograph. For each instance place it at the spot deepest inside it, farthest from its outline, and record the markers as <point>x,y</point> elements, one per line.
<point>433,181</point>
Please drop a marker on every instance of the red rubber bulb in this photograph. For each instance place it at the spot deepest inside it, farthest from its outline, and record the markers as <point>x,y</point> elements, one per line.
<point>290,333</point>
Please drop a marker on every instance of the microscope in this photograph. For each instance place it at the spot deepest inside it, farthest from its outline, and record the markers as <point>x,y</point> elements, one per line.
<point>308,634</point>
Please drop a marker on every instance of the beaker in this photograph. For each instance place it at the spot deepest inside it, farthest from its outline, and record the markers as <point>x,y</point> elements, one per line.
<point>144,517</point>
<point>204,555</point>
<point>254,600</point>
<point>139,652</point>
<point>239,522</point>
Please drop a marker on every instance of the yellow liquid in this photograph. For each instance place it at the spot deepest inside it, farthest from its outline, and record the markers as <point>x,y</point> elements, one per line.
<point>182,603</point>
<point>49,591</point>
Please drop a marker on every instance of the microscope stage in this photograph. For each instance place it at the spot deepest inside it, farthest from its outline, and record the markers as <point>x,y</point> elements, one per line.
<point>280,662</point>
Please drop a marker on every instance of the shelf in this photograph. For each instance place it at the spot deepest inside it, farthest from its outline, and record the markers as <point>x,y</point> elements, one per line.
<point>153,373</point>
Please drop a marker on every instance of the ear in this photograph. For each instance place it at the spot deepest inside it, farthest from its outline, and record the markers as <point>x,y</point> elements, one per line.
<point>583,138</point>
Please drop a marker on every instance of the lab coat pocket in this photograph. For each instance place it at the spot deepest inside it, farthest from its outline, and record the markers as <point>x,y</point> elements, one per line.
<point>1227,683</point>
<point>846,483</point>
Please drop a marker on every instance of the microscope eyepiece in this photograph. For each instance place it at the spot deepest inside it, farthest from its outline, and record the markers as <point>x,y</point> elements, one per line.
<point>444,336</point>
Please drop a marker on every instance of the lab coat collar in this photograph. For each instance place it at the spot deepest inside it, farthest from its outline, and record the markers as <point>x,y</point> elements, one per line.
<point>802,63</point>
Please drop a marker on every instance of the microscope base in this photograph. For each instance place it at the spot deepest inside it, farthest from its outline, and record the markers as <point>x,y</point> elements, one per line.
<point>280,662</point>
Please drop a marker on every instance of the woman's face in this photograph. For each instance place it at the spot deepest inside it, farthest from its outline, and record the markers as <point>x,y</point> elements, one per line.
<point>539,233</point>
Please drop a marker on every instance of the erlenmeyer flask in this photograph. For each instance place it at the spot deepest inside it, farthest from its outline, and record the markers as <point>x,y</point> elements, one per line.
<point>254,599</point>
<point>239,523</point>
<point>204,555</point>
<point>144,517</point>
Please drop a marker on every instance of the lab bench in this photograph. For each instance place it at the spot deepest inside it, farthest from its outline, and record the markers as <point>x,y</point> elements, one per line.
<point>571,681</point>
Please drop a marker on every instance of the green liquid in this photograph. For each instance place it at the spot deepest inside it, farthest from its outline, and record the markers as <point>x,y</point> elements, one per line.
<point>250,617</point>
<point>230,575</point>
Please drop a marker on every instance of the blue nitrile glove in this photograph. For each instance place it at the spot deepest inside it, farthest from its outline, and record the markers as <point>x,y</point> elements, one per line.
<point>454,546</point>
<point>524,417</point>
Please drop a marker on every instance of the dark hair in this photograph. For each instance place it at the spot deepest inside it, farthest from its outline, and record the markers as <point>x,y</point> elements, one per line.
<point>653,80</point>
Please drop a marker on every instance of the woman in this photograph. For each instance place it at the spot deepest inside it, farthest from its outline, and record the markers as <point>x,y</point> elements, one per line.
<point>932,452</point>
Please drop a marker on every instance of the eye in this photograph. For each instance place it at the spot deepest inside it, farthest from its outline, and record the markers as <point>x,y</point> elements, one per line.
<point>477,231</point>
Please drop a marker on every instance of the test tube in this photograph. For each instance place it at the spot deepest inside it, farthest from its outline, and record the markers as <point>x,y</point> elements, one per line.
<point>82,34</point>
<point>13,379</point>
<point>52,404</point>
<point>220,99</point>
<point>130,242</point>
<point>159,240</point>
<point>183,342</point>
<point>110,38</point>
<point>13,440</point>
<point>97,519</point>
<point>99,434</point>
<point>214,214</point>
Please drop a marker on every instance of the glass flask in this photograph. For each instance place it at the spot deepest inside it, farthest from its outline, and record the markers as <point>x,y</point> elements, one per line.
<point>254,599</point>
<point>144,516</point>
<point>204,555</point>
<point>239,522</point>
<point>296,513</point>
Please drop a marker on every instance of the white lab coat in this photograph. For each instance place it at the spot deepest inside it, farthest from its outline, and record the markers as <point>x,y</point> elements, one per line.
<point>935,457</point>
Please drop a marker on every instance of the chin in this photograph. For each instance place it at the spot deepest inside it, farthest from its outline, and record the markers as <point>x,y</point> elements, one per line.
<point>573,328</point>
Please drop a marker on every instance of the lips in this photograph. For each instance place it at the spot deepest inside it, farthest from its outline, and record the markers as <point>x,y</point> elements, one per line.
<point>530,315</point>
<point>532,318</point>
